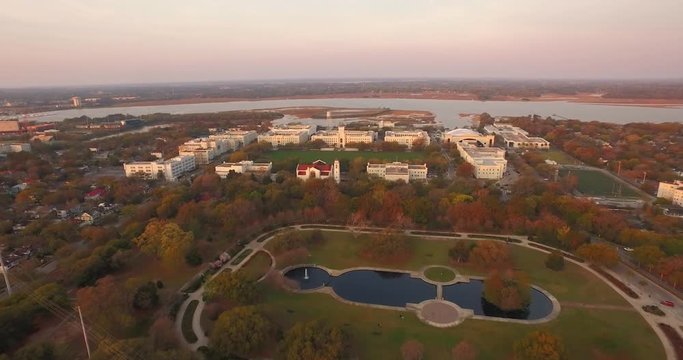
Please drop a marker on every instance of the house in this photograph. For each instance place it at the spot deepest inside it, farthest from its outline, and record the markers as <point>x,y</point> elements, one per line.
<point>96,194</point>
<point>86,219</point>
<point>319,170</point>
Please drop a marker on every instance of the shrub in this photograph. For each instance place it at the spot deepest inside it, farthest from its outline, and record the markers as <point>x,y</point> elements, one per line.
<point>555,261</point>
<point>507,290</point>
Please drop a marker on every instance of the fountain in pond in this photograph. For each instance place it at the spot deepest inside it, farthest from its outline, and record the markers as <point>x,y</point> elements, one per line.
<point>305,273</point>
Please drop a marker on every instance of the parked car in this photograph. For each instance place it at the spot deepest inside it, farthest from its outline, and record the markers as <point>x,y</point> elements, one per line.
<point>667,303</point>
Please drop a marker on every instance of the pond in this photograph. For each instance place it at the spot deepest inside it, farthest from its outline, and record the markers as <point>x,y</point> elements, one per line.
<point>470,296</point>
<point>398,289</point>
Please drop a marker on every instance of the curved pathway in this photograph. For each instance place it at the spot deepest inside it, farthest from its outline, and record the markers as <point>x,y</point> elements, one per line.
<point>674,321</point>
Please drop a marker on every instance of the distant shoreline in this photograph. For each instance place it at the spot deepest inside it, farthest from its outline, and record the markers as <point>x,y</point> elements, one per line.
<point>581,98</point>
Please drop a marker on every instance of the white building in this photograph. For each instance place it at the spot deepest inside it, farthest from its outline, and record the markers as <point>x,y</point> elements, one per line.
<point>467,135</point>
<point>515,137</point>
<point>341,137</point>
<point>76,101</point>
<point>398,171</point>
<point>488,162</point>
<point>291,134</point>
<point>673,192</point>
<point>14,147</point>
<point>243,167</point>
<point>206,149</point>
<point>407,138</point>
<point>241,137</point>
<point>319,170</point>
<point>170,169</point>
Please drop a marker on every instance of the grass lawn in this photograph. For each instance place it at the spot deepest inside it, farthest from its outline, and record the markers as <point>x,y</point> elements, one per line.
<point>188,333</point>
<point>330,156</point>
<point>595,183</point>
<point>585,332</point>
<point>440,274</point>
<point>559,156</point>
<point>257,266</point>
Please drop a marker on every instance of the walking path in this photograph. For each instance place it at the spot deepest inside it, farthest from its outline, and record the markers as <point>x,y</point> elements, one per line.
<point>643,286</point>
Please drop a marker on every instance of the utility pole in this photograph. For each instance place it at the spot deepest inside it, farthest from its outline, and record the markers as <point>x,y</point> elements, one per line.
<point>644,175</point>
<point>85,336</point>
<point>4,273</point>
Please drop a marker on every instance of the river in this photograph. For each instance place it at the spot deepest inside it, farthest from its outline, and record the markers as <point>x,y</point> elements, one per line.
<point>446,111</point>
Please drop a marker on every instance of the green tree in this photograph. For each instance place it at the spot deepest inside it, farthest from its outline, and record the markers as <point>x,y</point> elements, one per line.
<point>540,345</point>
<point>555,261</point>
<point>508,290</point>
<point>387,246</point>
<point>314,340</point>
<point>240,331</point>
<point>460,252</point>
<point>231,286</point>
<point>146,296</point>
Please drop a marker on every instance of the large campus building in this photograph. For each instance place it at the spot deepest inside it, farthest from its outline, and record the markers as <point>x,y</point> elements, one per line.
<point>206,149</point>
<point>170,169</point>
<point>488,162</point>
<point>319,170</point>
<point>467,135</point>
<point>515,137</point>
<point>398,171</point>
<point>241,137</point>
<point>340,137</point>
<point>407,138</point>
<point>291,134</point>
<point>671,191</point>
<point>243,167</point>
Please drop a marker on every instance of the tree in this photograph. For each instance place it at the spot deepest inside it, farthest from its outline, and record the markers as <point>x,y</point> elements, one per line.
<point>231,286</point>
<point>412,350</point>
<point>460,252</point>
<point>464,351</point>
<point>166,240</point>
<point>555,261</point>
<point>314,340</point>
<point>648,255</point>
<point>490,254</point>
<point>540,345</point>
<point>599,254</point>
<point>162,334</point>
<point>465,170</point>
<point>107,304</point>
<point>507,290</point>
<point>41,351</point>
<point>387,247</point>
<point>146,296</point>
<point>240,331</point>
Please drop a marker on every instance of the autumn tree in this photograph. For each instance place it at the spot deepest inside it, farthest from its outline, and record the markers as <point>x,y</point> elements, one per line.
<point>108,304</point>
<point>465,170</point>
<point>240,331</point>
<point>464,351</point>
<point>555,261</point>
<point>165,240</point>
<point>490,254</point>
<point>162,334</point>
<point>508,290</point>
<point>648,255</point>
<point>233,287</point>
<point>146,296</point>
<point>540,345</point>
<point>599,254</point>
<point>412,350</point>
<point>387,246</point>
<point>314,340</point>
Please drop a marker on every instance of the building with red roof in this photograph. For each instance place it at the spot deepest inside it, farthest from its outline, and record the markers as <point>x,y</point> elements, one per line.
<point>319,170</point>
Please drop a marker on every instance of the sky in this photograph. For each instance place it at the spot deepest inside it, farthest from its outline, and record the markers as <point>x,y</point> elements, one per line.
<point>69,42</point>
